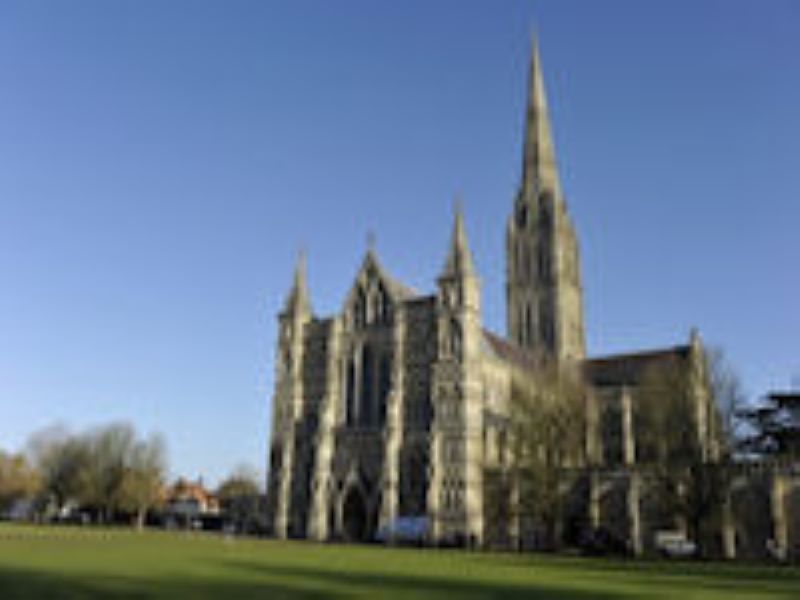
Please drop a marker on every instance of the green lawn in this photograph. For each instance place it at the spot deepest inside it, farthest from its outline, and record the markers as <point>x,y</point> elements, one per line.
<point>64,562</point>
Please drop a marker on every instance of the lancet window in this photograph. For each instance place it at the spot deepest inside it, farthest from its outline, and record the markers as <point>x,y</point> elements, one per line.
<point>367,386</point>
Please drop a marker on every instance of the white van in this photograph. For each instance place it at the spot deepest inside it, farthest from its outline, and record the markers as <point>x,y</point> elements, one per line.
<point>674,544</point>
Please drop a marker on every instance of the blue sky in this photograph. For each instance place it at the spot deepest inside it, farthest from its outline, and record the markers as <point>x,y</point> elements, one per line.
<point>162,162</point>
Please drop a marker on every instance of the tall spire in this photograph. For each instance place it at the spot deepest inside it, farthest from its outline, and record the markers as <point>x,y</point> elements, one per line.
<point>544,299</point>
<point>539,171</point>
<point>459,257</point>
<point>298,298</point>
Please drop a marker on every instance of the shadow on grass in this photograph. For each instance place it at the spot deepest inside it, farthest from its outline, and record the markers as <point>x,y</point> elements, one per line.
<point>774,581</point>
<point>257,580</point>
<point>16,584</point>
<point>233,578</point>
<point>383,584</point>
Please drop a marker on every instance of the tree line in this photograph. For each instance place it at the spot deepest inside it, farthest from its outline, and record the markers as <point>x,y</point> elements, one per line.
<point>109,473</point>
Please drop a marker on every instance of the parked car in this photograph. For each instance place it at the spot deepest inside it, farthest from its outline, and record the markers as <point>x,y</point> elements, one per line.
<point>405,530</point>
<point>601,541</point>
<point>674,544</point>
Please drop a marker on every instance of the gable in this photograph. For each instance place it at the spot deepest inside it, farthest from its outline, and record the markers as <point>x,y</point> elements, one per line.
<point>374,296</point>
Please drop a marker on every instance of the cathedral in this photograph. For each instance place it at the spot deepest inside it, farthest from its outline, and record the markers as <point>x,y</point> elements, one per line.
<point>397,406</point>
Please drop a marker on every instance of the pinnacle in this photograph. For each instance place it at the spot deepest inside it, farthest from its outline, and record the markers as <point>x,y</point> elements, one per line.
<point>298,298</point>
<point>459,258</point>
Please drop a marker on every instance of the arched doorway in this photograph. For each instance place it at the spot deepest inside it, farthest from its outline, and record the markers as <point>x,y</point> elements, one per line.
<point>355,525</point>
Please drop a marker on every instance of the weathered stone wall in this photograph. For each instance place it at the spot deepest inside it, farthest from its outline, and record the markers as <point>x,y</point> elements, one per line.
<point>417,409</point>
<point>395,407</point>
<point>314,385</point>
<point>420,354</point>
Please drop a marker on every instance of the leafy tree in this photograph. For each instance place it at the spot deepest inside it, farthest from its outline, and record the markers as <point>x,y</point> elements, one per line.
<point>239,496</point>
<point>244,481</point>
<point>61,459</point>
<point>548,429</point>
<point>774,427</point>
<point>101,480</point>
<point>18,479</point>
<point>107,469</point>
<point>143,478</point>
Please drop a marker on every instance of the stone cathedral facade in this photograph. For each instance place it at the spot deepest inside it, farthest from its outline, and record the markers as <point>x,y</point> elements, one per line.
<point>397,405</point>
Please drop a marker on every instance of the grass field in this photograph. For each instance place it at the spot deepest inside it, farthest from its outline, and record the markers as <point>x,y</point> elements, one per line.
<point>63,562</point>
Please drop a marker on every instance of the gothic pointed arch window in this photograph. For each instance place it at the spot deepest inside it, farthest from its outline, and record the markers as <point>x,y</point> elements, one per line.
<point>350,393</point>
<point>375,303</point>
<point>522,215</point>
<point>546,326</point>
<point>527,266</point>
<point>384,388</point>
<point>359,309</point>
<point>450,339</point>
<point>528,328</point>
<point>367,412</point>
<point>545,271</point>
<point>285,363</point>
<point>371,303</point>
<point>545,203</point>
<point>455,338</point>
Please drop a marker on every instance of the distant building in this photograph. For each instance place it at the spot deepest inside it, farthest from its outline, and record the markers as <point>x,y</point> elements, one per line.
<point>186,501</point>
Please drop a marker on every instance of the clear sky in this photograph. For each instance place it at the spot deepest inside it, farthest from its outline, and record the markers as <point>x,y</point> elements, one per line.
<point>162,162</point>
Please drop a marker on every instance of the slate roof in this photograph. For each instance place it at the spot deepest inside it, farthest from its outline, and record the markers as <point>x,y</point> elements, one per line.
<point>611,370</point>
<point>628,369</point>
<point>508,351</point>
<point>399,289</point>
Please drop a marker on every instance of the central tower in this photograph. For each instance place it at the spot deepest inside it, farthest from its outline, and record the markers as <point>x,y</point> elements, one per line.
<point>544,299</point>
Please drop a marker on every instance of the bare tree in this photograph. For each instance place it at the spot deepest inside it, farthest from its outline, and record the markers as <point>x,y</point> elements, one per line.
<point>548,428</point>
<point>729,400</point>
<point>667,441</point>
<point>665,419</point>
<point>689,467</point>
